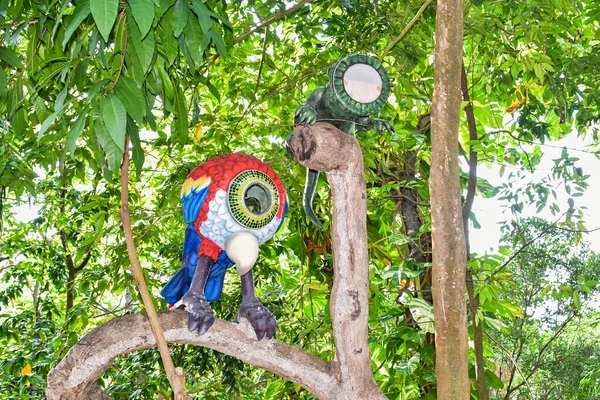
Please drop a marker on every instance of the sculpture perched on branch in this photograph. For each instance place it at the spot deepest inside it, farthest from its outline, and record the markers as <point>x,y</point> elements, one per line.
<point>231,204</point>
<point>358,86</point>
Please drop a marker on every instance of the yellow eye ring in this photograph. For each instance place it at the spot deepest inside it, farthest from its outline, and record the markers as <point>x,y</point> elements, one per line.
<point>252,199</point>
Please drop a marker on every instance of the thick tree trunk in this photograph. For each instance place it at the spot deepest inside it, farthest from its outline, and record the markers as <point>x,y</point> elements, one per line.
<point>348,377</point>
<point>449,247</point>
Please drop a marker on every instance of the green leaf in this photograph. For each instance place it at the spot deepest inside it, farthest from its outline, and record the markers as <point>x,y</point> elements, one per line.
<point>213,90</point>
<point>566,288</point>
<point>3,84</point>
<point>180,17</point>
<point>105,14</point>
<point>576,299</point>
<point>114,115</point>
<point>48,121</point>
<point>203,14</point>
<point>10,57</point>
<point>132,98</point>
<point>75,131</point>
<point>193,40</point>
<point>143,14</point>
<point>137,153</point>
<point>218,41</point>
<point>82,10</point>
<point>113,154</point>
<point>144,48</point>
<point>399,239</point>
<point>169,42</point>
<point>179,127</point>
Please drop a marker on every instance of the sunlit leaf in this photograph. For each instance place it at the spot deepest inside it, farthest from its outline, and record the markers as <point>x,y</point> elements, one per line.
<point>132,98</point>
<point>74,133</point>
<point>82,10</point>
<point>143,14</point>
<point>115,120</point>
<point>105,14</point>
<point>180,17</point>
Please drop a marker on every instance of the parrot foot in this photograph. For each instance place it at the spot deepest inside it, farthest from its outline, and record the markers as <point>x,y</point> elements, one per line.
<point>261,319</point>
<point>201,315</point>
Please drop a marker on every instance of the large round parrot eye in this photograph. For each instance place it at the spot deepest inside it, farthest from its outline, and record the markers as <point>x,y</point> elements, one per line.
<point>253,199</point>
<point>257,198</point>
<point>363,83</point>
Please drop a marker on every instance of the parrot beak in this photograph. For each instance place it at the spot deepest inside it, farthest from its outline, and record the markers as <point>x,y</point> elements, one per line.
<point>242,249</point>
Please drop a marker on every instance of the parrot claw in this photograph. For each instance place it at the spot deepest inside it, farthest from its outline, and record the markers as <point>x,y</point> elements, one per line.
<point>201,315</point>
<point>261,319</point>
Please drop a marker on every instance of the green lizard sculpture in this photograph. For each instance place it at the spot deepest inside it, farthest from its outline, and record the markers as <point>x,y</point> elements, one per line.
<point>358,86</point>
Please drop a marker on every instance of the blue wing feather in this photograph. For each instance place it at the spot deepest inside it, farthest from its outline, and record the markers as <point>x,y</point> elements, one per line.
<point>192,203</point>
<point>181,281</point>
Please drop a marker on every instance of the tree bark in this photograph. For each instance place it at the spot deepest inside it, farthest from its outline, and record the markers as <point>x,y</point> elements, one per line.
<point>469,198</point>
<point>75,376</point>
<point>327,149</point>
<point>347,377</point>
<point>449,246</point>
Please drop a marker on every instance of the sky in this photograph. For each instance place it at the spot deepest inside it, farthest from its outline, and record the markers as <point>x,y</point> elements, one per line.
<point>492,213</point>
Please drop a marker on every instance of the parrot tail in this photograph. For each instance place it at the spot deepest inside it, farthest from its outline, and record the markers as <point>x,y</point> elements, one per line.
<point>214,286</point>
<point>177,286</point>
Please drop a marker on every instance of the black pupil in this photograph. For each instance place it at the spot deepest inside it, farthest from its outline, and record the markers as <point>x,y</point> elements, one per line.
<point>257,199</point>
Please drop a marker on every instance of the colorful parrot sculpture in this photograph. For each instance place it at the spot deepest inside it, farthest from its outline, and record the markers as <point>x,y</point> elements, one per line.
<point>231,204</point>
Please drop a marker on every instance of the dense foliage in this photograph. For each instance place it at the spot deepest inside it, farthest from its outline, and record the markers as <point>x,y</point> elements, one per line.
<point>187,80</point>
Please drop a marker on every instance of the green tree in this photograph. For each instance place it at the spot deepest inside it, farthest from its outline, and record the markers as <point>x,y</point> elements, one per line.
<point>189,80</point>
<point>553,341</point>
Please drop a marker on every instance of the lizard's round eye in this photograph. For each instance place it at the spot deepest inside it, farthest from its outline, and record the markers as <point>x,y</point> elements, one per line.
<point>363,83</point>
<point>253,199</point>
<point>360,84</point>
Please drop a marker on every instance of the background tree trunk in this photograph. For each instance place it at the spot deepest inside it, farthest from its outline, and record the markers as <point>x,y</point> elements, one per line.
<point>449,247</point>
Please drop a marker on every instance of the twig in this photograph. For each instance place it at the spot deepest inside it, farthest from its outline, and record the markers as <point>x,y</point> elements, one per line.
<point>513,361</point>
<point>175,376</point>
<point>262,60</point>
<point>529,243</point>
<point>269,21</point>
<point>541,352</point>
<point>472,183</point>
<point>120,66</point>
<point>405,30</point>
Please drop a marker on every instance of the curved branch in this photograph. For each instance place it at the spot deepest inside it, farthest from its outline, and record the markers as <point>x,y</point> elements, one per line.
<point>75,376</point>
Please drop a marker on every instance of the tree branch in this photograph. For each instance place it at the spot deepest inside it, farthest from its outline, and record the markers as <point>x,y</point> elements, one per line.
<point>466,211</point>
<point>512,360</point>
<point>522,248</point>
<point>327,149</point>
<point>85,261</point>
<point>270,20</point>
<point>405,30</point>
<point>75,376</point>
<point>175,376</point>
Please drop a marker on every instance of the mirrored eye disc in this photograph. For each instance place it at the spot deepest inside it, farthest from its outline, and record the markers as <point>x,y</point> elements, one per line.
<point>257,199</point>
<point>359,85</point>
<point>252,199</point>
<point>363,83</point>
